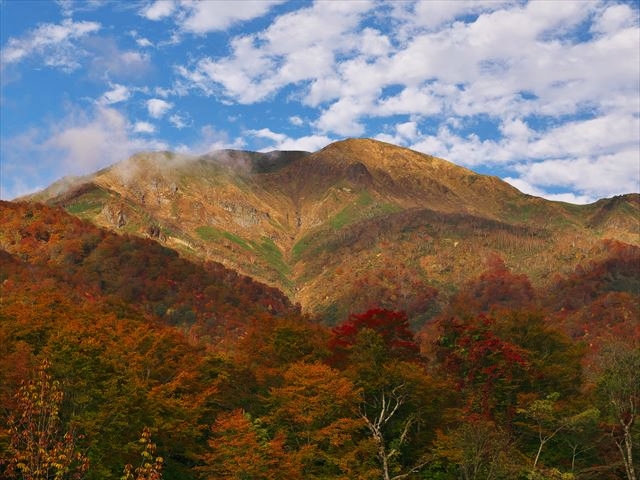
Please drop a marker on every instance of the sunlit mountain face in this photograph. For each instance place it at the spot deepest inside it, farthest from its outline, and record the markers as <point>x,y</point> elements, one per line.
<point>390,225</point>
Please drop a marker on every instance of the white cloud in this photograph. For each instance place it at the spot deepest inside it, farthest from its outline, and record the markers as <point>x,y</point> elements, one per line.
<point>343,117</point>
<point>178,121</point>
<point>601,176</point>
<point>157,107</point>
<point>296,120</point>
<point>600,136</point>
<point>422,101</point>
<point>404,133</point>
<point>262,64</point>
<point>266,133</point>
<point>140,41</point>
<point>118,93</point>
<point>309,143</point>
<point>432,14</point>
<point>615,17</point>
<point>408,130</point>
<point>52,42</point>
<point>158,10</point>
<point>513,60</point>
<point>204,17</point>
<point>88,141</point>
<point>144,42</point>
<point>163,92</point>
<point>144,127</point>
<point>69,7</point>
<point>569,197</point>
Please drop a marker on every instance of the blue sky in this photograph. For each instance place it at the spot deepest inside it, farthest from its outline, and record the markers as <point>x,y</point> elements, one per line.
<point>545,94</point>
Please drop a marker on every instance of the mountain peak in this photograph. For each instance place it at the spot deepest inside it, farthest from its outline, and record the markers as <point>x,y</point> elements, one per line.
<point>361,146</point>
<point>282,217</point>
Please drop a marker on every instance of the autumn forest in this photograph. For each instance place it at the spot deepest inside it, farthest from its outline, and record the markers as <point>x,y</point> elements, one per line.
<point>121,359</point>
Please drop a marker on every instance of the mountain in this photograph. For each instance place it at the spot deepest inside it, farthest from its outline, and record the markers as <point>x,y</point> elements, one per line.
<point>533,306</point>
<point>357,223</point>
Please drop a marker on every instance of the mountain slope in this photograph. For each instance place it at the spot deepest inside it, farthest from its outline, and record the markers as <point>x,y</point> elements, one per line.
<point>128,273</point>
<point>357,216</point>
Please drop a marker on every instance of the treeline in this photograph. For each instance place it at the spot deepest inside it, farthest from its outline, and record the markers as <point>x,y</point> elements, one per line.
<point>507,382</point>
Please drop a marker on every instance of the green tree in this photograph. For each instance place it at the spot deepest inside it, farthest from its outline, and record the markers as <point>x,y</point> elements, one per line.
<point>480,449</point>
<point>548,419</point>
<point>150,467</point>
<point>619,388</point>
<point>38,450</point>
<point>399,401</point>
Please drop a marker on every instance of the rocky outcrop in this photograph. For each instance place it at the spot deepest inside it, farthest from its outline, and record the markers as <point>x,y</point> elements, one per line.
<point>358,174</point>
<point>154,231</point>
<point>243,215</point>
<point>114,215</point>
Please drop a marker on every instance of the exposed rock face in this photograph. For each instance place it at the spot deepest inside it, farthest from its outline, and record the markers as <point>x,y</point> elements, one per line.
<point>114,215</point>
<point>154,231</point>
<point>243,215</point>
<point>359,174</point>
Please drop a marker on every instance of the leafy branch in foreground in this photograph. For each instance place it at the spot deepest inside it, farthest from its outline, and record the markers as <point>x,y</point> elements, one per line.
<point>38,451</point>
<point>151,466</point>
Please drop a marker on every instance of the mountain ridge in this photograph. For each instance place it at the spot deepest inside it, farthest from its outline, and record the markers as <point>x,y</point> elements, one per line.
<point>305,222</point>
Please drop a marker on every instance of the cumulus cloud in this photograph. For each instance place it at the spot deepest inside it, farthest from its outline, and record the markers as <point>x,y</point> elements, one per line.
<point>434,13</point>
<point>280,141</point>
<point>569,197</point>
<point>204,17</point>
<point>266,133</point>
<point>81,142</point>
<point>53,43</point>
<point>601,176</point>
<point>200,17</point>
<point>158,10</point>
<point>263,63</point>
<point>513,59</point>
<point>88,141</point>
<point>614,18</point>
<point>143,127</point>
<point>117,94</point>
<point>158,107</point>
<point>309,143</point>
<point>602,135</point>
<point>405,133</point>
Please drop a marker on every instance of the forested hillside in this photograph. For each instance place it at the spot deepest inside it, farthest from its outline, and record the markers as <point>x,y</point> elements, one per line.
<point>125,351</point>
